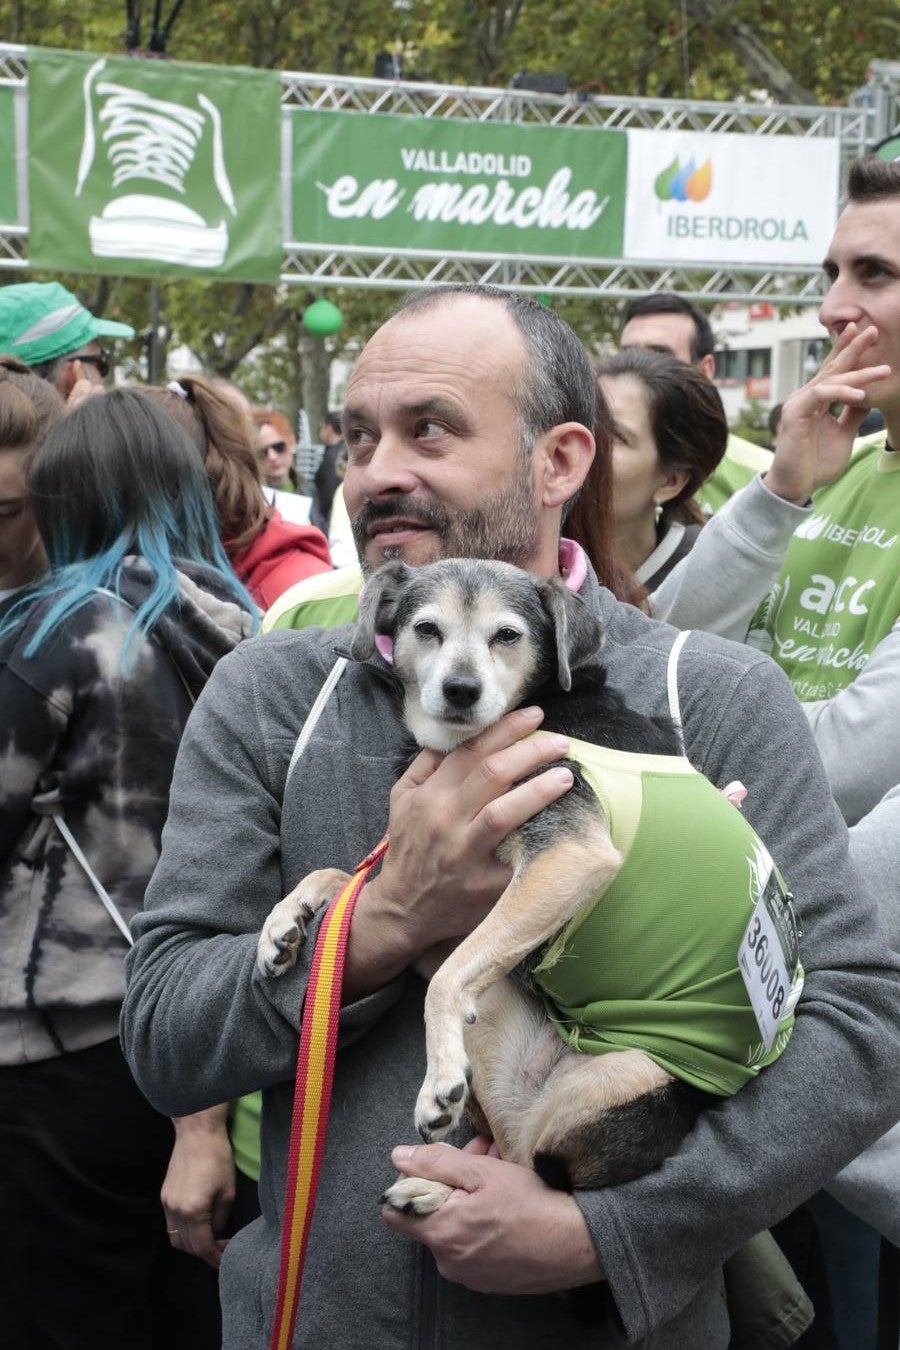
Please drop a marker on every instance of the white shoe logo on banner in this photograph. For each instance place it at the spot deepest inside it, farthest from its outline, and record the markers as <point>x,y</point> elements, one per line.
<point>155,141</point>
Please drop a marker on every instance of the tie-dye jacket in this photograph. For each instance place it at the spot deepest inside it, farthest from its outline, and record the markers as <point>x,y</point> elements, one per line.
<point>79,735</point>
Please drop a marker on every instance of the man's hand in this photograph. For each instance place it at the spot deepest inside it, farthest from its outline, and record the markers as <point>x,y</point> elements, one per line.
<point>448,814</point>
<point>198,1191</point>
<point>813,447</point>
<point>86,382</point>
<point>502,1231</point>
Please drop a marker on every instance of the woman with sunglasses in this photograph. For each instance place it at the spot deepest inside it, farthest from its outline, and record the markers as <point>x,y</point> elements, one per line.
<point>275,445</point>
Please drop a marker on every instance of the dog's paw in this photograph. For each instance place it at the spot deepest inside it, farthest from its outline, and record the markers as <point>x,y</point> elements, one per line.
<point>441,1102</point>
<point>280,939</point>
<point>415,1195</point>
<point>284,931</point>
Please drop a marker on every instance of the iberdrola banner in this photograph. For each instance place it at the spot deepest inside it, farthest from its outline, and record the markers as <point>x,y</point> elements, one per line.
<point>153,167</point>
<point>395,183</point>
<point>727,198</point>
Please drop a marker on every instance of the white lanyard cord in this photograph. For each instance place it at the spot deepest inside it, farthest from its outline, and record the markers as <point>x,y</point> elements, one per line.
<point>315,713</point>
<point>672,686</point>
<point>107,903</point>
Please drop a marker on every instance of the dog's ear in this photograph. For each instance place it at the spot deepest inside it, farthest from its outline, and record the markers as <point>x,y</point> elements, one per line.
<point>377,605</point>
<point>579,635</point>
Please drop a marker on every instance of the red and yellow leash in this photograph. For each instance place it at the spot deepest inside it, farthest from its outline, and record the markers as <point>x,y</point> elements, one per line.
<point>312,1094</point>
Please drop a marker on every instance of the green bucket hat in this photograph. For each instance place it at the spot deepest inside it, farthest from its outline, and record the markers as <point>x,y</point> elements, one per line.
<point>42,320</point>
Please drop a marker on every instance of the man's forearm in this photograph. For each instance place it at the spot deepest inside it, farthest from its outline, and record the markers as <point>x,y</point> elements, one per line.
<point>733,563</point>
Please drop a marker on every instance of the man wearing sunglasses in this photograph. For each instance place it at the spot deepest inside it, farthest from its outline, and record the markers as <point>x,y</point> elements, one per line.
<point>47,327</point>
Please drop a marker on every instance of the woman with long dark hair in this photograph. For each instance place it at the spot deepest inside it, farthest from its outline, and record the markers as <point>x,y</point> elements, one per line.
<point>668,434</point>
<point>101,659</point>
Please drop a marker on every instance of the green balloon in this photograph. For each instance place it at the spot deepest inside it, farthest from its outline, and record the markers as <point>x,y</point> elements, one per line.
<point>888,149</point>
<point>322,318</point>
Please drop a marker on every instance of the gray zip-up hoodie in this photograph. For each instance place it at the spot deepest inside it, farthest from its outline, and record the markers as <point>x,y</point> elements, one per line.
<point>200,1026</point>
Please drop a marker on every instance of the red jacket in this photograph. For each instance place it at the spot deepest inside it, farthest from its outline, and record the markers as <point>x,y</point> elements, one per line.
<point>279,556</point>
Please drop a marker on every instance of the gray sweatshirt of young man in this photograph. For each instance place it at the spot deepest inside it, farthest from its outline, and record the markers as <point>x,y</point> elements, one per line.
<point>200,1026</point>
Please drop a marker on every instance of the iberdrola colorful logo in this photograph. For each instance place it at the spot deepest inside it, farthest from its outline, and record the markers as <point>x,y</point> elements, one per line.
<point>677,184</point>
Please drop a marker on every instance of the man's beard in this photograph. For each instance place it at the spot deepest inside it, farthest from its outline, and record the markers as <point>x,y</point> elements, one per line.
<point>504,528</point>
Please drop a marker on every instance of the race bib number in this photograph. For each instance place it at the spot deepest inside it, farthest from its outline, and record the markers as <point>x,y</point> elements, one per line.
<point>768,957</point>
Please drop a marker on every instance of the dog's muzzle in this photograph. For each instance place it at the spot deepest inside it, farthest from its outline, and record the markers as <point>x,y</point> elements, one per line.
<point>461,692</point>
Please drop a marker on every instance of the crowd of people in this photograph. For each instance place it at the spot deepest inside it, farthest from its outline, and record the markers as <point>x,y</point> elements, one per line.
<point>147,535</point>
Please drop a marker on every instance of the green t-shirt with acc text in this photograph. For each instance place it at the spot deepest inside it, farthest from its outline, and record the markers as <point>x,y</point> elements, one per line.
<point>838,592</point>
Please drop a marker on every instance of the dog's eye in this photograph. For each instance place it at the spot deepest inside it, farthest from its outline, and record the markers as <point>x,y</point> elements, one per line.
<point>507,637</point>
<point>428,631</point>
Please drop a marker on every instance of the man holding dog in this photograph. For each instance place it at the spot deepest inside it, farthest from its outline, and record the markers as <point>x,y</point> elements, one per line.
<point>469,426</point>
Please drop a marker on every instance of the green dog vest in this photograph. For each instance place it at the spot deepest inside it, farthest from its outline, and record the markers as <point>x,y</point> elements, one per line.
<point>657,951</point>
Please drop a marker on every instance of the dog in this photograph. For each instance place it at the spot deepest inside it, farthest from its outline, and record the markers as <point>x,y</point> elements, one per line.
<point>471,641</point>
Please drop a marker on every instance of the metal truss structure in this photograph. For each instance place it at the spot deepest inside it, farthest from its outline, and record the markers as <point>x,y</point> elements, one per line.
<point>883,95</point>
<point>857,127</point>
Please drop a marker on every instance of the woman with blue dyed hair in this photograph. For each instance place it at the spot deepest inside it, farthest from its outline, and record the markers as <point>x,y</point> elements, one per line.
<point>101,660</point>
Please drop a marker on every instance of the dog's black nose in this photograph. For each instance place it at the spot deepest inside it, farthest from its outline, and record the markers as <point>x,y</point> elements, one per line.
<point>461,691</point>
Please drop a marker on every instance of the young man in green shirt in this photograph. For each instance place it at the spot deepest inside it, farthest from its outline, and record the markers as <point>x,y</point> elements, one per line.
<point>831,620</point>
<point>439,447</point>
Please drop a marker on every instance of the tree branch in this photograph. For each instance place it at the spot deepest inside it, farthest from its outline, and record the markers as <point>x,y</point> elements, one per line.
<point>760,64</point>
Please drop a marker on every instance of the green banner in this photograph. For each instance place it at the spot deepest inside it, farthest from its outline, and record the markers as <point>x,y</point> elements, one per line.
<point>9,196</point>
<point>398,182</point>
<point>153,167</point>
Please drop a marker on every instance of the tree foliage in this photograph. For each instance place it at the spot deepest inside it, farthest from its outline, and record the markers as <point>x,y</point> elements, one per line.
<point>707,49</point>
